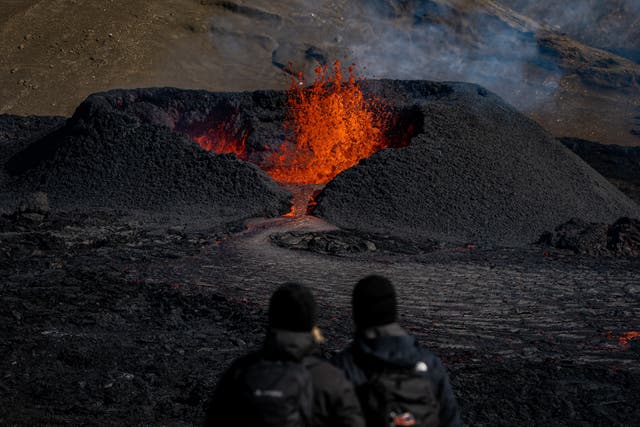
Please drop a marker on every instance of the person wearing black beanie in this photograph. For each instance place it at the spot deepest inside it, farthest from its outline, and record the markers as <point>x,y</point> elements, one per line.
<point>385,364</point>
<point>292,308</point>
<point>374,302</point>
<point>283,383</point>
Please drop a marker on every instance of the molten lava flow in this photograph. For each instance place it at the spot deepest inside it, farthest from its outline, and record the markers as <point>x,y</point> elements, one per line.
<point>333,126</point>
<point>220,140</point>
<point>303,199</point>
<point>624,339</point>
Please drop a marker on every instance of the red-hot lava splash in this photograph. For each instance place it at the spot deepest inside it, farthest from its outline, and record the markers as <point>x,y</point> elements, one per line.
<point>221,141</point>
<point>333,127</point>
<point>625,338</point>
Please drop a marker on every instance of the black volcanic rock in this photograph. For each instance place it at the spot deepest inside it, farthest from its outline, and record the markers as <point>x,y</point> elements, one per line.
<point>16,133</point>
<point>349,243</point>
<point>480,171</point>
<point>121,150</point>
<point>23,128</point>
<point>622,238</point>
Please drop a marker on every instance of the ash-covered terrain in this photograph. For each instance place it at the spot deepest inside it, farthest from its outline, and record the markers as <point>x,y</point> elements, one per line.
<point>133,271</point>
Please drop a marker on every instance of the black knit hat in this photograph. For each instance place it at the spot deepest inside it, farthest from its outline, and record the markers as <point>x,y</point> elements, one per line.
<point>292,308</point>
<point>374,302</point>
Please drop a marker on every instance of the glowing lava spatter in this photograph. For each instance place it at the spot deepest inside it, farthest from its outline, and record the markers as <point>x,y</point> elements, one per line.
<point>624,339</point>
<point>219,141</point>
<point>333,127</point>
<point>330,125</point>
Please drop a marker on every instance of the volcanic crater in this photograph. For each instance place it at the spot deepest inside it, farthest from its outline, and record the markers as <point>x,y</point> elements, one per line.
<point>449,161</point>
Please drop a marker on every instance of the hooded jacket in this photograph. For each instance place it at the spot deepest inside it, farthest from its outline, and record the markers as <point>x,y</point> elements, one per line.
<point>334,399</point>
<point>390,346</point>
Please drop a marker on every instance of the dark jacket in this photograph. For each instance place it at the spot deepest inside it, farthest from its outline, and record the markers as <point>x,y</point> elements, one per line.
<point>334,399</point>
<point>391,346</point>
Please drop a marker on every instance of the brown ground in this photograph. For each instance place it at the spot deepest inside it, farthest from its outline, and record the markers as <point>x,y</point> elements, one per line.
<point>56,52</point>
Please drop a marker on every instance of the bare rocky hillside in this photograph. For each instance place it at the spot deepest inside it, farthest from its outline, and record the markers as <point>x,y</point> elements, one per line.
<point>56,52</point>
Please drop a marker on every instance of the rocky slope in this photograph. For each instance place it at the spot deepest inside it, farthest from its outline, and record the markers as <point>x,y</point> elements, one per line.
<point>620,165</point>
<point>54,53</point>
<point>106,156</point>
<point>612,25</point>
<point>478,172</point>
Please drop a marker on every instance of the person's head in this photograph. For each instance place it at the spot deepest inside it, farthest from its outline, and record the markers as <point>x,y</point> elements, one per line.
<point>374,302</point>
<point>292,308</point>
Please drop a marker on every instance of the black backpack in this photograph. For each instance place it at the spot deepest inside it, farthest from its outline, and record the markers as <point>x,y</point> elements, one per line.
<point>275,393</point>
<point>399,397</point>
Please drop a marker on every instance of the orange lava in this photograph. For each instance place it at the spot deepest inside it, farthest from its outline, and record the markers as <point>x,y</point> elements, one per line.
<point>624,339</point>
<point>304,199</point>
<point>221,141</point>
<point>333,126</point>
<point>292,212</point>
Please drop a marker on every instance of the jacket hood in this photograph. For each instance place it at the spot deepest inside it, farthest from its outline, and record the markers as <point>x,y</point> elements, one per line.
<point>389,345</point>
<point>288,345</point>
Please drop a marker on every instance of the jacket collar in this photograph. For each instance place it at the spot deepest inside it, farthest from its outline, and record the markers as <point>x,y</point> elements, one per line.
<point>390,329</point>
<point>387,345</point>
<point>288,345</point>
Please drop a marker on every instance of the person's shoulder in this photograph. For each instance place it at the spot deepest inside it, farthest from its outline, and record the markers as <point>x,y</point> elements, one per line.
<point>322,370</point>
<point>344,357</point>
<point>318,363</point>
<point>242,362</point>
<point>434,364</point>
<point>429,356</point>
